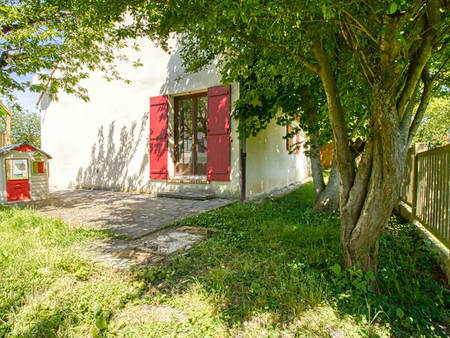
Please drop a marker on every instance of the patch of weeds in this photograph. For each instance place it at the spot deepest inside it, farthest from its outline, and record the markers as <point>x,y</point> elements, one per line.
<point>101,320</point>
<point>409,298</point>
<point>273,269</point>
<point>46,286</point>
<point>154,274</point>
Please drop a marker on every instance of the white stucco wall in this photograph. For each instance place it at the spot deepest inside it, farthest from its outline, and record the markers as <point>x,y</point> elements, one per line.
<point>103,143</point>
<point>270,165</point>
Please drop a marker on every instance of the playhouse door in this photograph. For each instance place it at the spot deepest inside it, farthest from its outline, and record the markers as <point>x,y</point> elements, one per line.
<point>17,180</point>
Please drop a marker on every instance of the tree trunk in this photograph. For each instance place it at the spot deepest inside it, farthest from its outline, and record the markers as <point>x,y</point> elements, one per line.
<point>328,199</point>
<point>326,196</point>
<point>316,165</point>
<point>371,201</point>
<point>369,191</point>
<point>312,131</point>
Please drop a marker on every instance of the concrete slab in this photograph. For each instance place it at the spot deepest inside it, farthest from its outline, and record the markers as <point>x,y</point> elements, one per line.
<point>149,250</point>
<point>128,214</point>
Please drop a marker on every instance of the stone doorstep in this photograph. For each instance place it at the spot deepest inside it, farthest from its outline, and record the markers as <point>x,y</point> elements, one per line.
<point>186,195</point>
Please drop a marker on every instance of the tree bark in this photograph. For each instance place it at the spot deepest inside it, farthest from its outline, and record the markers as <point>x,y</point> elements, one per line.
<point>368,192</point>
<point>312,131</point>
<point>375,189</point>
<point>328,199</point>
<point>372,198</point>
<point>326,196</point>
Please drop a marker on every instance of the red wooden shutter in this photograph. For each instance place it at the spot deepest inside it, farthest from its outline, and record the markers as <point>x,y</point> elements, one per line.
<point>288,139</point>
<point>158,137</point>
<point>298,143</point>
<point>218,163</point>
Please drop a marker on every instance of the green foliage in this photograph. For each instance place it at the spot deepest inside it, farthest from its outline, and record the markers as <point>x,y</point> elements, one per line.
<point>273,268</point>
<point>405,304</point>
<point>270,75</point>
<point>26,127</point>
<point>47,287</point>
<point>76,36</point>
<point>281,257</point>
<point>435,128</point>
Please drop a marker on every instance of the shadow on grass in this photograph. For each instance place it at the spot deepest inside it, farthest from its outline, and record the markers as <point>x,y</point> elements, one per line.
<point>277,256</point>
<point>273,265</point>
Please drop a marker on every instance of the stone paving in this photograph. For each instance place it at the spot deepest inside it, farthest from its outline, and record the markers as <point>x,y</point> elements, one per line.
<point>140,218</point>
<point>128,214</point>
<point>148,250</point>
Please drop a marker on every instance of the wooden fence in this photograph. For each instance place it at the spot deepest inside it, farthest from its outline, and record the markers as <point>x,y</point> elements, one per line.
<point>426,189</point>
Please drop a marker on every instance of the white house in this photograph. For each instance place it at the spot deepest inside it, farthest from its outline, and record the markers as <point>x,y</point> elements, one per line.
<point>165,131</point>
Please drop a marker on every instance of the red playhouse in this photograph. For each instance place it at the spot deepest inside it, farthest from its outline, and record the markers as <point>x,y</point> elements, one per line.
<point>24,173</point>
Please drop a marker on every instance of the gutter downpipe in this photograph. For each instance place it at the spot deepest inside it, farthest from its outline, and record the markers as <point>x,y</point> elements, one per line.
<point>243,166</point>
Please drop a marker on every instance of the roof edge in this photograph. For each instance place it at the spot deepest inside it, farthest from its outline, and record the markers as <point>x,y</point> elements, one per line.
<point>10,147</point>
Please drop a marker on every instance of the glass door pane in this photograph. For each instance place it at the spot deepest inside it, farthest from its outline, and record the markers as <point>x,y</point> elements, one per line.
<point>202,120</point>
<point>185,137</point>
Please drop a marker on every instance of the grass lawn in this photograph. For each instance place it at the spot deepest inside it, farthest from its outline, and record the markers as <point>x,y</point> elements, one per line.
<point>272,269</point>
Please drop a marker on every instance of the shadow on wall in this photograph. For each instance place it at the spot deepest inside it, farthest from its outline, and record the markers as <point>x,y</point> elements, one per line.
<point>179,81</point>
<point>109,167</point>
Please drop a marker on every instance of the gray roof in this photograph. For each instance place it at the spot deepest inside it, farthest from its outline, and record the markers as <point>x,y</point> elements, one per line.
<point>10,147</point>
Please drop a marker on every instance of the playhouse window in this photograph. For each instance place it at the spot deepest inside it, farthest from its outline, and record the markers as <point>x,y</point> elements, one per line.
<point>191,114</point>
<point>38,167</point>
<point>16,169</point>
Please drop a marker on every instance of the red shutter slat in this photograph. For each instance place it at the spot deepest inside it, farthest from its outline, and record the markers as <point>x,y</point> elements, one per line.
<point>288,140</point>
<point>158,137</point>
<point>218,158</point>
<point>298,143</point>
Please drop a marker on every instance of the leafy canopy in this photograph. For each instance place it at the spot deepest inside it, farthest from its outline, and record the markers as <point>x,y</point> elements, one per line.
<point>270,43</point>
<point>435,128</point>
<point>77,36</point>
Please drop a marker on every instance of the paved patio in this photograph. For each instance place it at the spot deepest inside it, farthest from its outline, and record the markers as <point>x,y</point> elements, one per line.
<point>128,214</point>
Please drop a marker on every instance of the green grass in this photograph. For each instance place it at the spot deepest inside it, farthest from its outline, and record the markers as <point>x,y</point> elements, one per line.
<point>272,269</point>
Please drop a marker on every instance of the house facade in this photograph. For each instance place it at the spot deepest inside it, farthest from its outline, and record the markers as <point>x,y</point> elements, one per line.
<point>165,131</point>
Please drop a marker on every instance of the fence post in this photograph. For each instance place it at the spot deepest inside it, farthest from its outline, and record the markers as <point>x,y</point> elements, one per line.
<point>414,185</point>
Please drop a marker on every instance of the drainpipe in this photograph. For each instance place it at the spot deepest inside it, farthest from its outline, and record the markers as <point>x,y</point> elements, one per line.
<point>243,166</point>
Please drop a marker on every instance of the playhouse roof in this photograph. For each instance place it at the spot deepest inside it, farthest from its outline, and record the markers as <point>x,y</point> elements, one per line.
<point>10,147</point>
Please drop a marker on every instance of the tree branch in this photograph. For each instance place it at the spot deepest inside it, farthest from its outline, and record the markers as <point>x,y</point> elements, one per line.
<point>362,28</point>
<point>264,42</point>
<point>6,58</point>
<point>424,101</point>
<point>361,58</point>
<point>421,58</point>
<point>337,119</point>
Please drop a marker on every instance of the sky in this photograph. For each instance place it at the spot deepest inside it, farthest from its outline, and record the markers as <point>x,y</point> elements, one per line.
<point>27,99</point>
